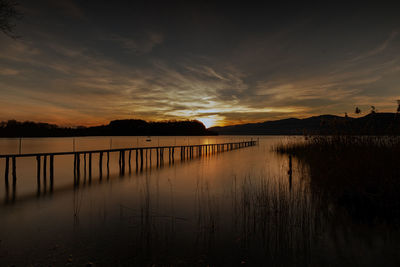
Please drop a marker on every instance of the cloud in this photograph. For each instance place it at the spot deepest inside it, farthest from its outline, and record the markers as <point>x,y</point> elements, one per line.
<point>142,44</point>
<point>8,71</point>
<point>377,50</point>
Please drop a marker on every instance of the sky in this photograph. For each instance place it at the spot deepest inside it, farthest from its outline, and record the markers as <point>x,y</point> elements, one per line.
<point>89,62</point>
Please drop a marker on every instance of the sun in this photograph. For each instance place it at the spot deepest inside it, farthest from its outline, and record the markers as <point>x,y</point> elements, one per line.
<point>209,121</point>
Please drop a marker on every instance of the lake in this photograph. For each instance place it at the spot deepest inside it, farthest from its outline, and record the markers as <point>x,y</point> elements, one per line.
<point>249,206</point>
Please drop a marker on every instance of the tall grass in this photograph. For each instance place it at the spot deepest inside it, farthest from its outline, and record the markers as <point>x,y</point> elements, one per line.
<point>276,225</point>
<point>358,173</point>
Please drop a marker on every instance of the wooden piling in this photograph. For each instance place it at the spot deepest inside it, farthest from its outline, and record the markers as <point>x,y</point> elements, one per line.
<point>108,164</point>
<point>78,165</point>
<point>158,157</point>
<point>90,166</point>
<point>137,163</point>
<point>14,169</point>
<point>45,169</point>
<point>6,170</point>
<point>129,160</point>
<point>101,165</point>
<point>141,159</point>
<point>51,172</point>
<point>122,155</point>
<point>84,165</point>
<point>38,171</point>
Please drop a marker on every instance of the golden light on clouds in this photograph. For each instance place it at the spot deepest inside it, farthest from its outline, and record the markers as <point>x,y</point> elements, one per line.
<point>212,120</point>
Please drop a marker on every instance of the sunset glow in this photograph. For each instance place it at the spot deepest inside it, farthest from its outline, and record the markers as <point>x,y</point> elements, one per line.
<point>97,71</point>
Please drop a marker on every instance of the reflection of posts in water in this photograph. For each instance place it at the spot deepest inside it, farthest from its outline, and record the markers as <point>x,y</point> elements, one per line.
<point>187,152</point>
<point>290,172</point>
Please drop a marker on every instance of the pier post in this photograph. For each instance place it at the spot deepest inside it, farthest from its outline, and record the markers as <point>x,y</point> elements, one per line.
<point>129,160</point>
<point>78,165</point>
<point>290,172</point>
<point>51,172</point>
<point>108,164</point>
<point>45,171</point>
<point>141,159</point>
<point>90,166</point>
<point>74,168</point>
<point>137,164</point>
<point>158,157</point>
<point>14,170</point>
<point>84,165</point>
<point>122,153</point>
<point>38,171</point>
<point>101,165</point>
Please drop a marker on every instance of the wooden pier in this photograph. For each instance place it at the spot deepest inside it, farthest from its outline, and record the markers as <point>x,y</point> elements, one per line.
<point>142,156</point>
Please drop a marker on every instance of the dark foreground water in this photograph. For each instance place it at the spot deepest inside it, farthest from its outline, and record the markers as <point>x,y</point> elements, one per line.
<point>242,207</point>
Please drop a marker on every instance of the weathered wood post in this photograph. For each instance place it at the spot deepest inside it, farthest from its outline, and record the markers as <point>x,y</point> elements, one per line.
<point>38,171</point>
<point>51,172</point>
<point>6,170</point>
<point>108,164</point>
<point>150,155</point>
<point>101,165</point>
<point>158,157</point>
<point>129,160</point>
<point>84,165</point>
<point>44,173</point>
<point>45,170</point>
<point>122,162</point>
<point>141,159</point>
<point>74,168</point>
<point>146,156</point>
<point>137,164</point>
<point>290,172</point>
<point>14,170</point>
<point>78,165</point>
<point>90,166</point>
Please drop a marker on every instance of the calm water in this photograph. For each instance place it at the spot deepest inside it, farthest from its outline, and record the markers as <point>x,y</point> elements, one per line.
<point>240,207</point>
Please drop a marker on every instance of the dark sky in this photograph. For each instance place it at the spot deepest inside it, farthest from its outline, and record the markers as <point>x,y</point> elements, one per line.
<point>87,62</point>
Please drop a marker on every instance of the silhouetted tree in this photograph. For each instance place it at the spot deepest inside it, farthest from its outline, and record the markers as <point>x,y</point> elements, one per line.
<point>357,111</point>
<point>373,109</point>
<point>8,15</point>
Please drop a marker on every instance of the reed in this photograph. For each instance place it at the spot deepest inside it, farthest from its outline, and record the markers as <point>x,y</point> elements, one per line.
<point>358,173</point>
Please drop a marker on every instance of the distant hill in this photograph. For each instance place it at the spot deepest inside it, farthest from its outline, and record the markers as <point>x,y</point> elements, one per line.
<point>371,124</point>
<point>131,127</point>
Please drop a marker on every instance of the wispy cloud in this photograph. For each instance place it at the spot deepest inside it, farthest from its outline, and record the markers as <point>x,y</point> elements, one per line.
<point>141,44</point>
